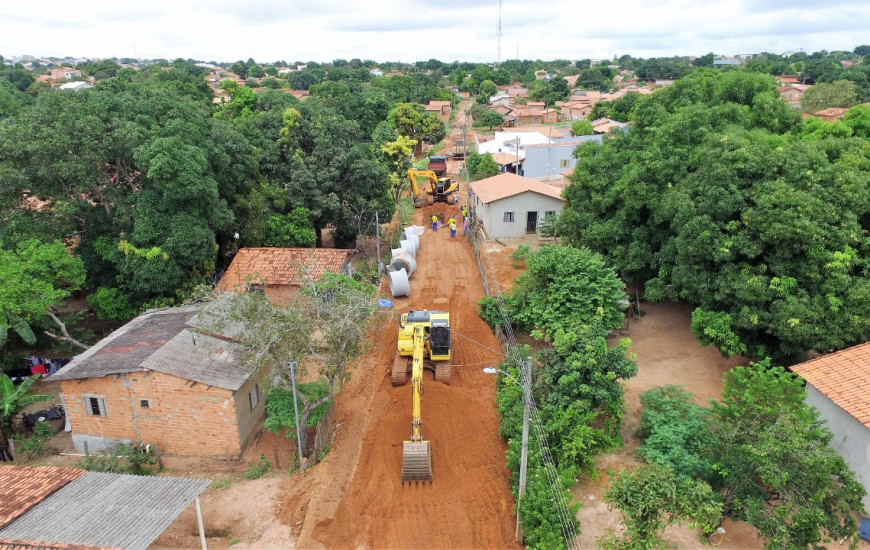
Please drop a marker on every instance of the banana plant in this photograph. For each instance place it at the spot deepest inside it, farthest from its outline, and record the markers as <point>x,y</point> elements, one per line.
<point>12,400</point>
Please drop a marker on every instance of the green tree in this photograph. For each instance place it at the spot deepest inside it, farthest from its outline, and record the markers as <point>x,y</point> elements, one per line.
<point>325,325</point>
<point>582,128</point>
<point>484,167</point>
<point>293,230</point>
<point>36,277</point>
<point>842,93</point>
<point>413,121</point>
<point>332,174</point>
<point>489,118</point>
<point>13,400</point>
<point>564,287</point>
<point>242,100</point>
<point>650,498</point>
<point>774,454</point>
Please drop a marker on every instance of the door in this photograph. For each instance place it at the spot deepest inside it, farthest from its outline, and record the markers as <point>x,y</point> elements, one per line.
<point>531,222</point>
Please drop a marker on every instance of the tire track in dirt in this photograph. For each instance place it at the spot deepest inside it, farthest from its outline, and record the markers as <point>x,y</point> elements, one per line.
<point>355,498</point>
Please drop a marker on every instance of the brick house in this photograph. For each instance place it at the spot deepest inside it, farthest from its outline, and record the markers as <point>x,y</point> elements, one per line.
<point>160,380</point>
<point>64,73</point>
<point>279,272</point>
<point>837,388</point>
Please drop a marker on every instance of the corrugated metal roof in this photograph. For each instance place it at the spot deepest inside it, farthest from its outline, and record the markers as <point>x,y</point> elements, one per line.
<point>205,359</point>
<point>102,509</point>
<point>22,487</point>
<point>124,350</point>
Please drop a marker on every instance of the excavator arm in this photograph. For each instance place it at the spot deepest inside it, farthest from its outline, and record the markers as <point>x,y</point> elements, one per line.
<point>416,453</point>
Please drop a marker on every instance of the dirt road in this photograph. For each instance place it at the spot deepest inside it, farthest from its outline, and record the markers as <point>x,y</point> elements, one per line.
<point>355,499</point>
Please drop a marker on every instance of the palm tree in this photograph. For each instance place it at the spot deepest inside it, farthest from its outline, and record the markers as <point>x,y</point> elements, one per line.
<point>12,400</point>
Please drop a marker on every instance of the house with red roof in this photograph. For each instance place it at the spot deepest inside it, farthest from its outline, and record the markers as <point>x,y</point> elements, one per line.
<point>280,272</point>
<point>510,206</point>
<point>837,388</point>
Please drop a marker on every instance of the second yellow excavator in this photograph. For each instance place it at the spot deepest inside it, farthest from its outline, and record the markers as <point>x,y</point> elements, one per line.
<point>438,190</point>
<point>422,334</point>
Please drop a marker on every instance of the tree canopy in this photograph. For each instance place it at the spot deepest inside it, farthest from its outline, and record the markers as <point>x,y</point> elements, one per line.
<point>716,198</point>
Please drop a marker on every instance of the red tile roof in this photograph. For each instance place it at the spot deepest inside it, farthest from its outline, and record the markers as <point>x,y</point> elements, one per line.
<point>842,377</point>
<point>23,487</point>
<point>507,185</point>
<point>280,266</point>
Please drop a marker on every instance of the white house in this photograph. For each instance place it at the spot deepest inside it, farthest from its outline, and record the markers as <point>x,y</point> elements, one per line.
<point>837,387</point>
<point>506,142</point>
<point>509,205</point>
<point>547,161</point>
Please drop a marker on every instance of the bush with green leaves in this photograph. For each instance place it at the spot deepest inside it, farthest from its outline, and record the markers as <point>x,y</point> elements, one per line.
<point>34,445</point>
<point>676,434</point>
<point>262,468</point>
<point>565,287</point>
<point>111,304</point>
<point>279,406</point>
<point>650,498</point>
<point>124,458</point>
<point>766,449</point>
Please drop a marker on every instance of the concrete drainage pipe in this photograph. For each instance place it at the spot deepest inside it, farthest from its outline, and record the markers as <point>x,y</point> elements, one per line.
<point>399,283</point>
<point>404,261</point>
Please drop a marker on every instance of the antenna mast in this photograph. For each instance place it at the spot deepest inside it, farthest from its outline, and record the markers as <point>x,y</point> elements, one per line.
<point>498,59</point>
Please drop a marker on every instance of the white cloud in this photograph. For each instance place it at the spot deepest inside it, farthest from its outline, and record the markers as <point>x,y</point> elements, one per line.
<point>389,30</point>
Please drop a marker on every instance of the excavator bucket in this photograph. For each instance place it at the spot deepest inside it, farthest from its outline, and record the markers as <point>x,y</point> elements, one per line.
<point>416,461</point>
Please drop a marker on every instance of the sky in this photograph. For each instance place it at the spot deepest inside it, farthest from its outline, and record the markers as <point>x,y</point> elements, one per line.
<point>418,30</point>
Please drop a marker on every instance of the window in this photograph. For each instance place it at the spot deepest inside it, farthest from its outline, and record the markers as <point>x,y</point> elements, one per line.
<point>549,213</point>
<point>145,403</point>
<point>508,217</point>
<point>95,405</point>
<point>563,163</point>
<point>254,396</point>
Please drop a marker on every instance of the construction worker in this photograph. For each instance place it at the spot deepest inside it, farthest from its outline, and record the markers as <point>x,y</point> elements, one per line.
<point>452,225</point>
<point>451,220</point>
<point>434,223</point>
<point>464,225</point>
<point>465,211</point>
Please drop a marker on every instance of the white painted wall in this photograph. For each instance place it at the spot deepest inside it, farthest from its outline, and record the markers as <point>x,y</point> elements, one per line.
<point>492,214</point>
<point>851,438</point>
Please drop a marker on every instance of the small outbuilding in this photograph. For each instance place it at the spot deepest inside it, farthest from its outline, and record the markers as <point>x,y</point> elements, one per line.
<point>837,388</point>
<point>508,205</point>
<point>279,272</point>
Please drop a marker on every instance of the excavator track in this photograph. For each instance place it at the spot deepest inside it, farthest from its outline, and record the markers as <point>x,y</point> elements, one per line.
<point>416,462</point>
<point>399,375</point>
<point>443,372</point>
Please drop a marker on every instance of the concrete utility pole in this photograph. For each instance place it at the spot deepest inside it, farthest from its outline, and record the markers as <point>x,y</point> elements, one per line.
<point>296,410</point>
<point>524,457</point>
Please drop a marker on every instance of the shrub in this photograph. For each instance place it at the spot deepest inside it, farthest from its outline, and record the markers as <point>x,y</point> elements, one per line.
<point>123,459</point>
<point>111,304</point>
<point>256,471</point>
<point>677,433</point>
<point>33,446</point>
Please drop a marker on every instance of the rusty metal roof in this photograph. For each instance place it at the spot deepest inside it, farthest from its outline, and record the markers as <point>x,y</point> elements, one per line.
<point>125,349</point>
<point>168,341</point>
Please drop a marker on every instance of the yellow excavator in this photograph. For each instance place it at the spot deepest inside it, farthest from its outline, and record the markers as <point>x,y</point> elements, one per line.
<point>422,334</point>
<point>439,189</point>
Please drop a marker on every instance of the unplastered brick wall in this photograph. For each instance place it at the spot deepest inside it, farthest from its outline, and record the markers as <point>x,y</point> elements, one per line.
<point>179,416</point>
